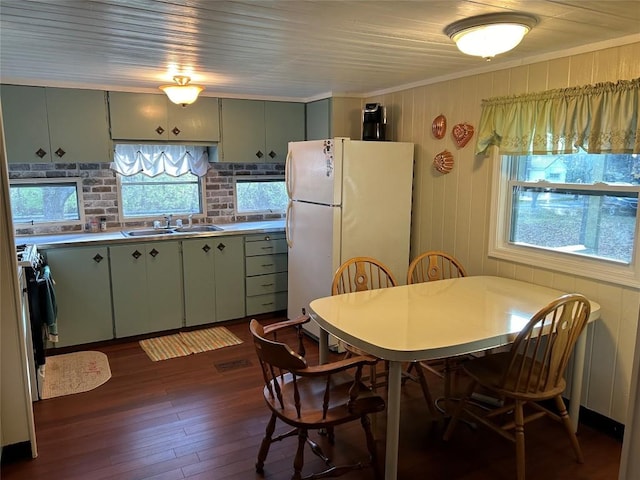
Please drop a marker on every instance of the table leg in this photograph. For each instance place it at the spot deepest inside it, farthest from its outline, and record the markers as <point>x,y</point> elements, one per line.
<point>579,353</point>
<point>393,420</point>
<point>323,346</point>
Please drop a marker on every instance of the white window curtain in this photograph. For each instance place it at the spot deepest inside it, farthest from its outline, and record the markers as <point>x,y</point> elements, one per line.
<point>600,118</point>
<point>152,160</point>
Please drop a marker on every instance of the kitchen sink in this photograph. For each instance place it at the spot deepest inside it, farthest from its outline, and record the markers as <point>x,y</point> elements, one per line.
<point>198,228</point>
<point>147,232</point>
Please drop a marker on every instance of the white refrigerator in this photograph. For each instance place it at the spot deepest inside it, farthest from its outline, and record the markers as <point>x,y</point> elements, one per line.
<point>347,198</point>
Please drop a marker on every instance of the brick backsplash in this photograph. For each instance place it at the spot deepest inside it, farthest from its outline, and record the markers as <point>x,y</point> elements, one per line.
<point>100,191</point>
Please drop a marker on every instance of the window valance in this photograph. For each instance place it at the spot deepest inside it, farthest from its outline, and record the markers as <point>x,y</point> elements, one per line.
<point>174,160</point>
<point>600,118</point>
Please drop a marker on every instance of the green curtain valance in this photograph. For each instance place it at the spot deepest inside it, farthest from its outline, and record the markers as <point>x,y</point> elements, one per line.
<point>600,118</point>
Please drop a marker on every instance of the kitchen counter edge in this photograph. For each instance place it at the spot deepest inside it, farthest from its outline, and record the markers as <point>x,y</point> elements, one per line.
<point>116,236</point>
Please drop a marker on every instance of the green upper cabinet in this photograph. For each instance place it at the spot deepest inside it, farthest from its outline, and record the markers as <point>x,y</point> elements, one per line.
<point>147,116</point>
<point>259,131</point>
<point>319,119</point>
<point>43,124</point>
<point>334,117</point>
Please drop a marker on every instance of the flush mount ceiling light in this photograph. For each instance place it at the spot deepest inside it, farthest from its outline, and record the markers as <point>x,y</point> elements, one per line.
<point>488,35</point>
<point>182,92</point>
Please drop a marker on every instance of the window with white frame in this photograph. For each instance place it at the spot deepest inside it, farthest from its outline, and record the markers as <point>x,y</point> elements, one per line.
<point>145,196</point>
<point>39,201</point>
<point>260,194</point>
<point>157,180</point>
<point>569,212</point>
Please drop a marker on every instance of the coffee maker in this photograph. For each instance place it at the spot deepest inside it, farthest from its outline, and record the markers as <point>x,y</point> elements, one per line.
<point>374,122</point>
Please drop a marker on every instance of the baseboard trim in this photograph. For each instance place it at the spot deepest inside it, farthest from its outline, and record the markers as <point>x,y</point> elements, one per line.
<point>602,423</point>
<point>15,452</point>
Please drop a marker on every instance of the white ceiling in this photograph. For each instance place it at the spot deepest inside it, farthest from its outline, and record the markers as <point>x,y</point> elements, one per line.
<point>278,49</point>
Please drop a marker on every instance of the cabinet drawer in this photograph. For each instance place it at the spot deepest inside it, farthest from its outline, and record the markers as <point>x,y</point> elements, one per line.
<point>265,264</point>
<point>276,282</point>
<point>268,245</point>
<point>266,303</point>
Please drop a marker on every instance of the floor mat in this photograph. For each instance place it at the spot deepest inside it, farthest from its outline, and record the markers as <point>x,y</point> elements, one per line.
<point>74,373</point>
<point>186,343</point>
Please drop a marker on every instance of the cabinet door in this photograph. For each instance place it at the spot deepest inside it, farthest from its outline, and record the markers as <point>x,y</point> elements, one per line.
<point>25,124</point>
<point>130,291</point>
<point>243,135</point>
<point>318,119</point>
<point>198,122</point>
<point>164,283</point>
<point>83,294</point>
<point>199,281</point>
<point>147,287</point>
<point>284,123</point>
<point>229,264</point>
<point>138,116</point>
<point>78,125</point>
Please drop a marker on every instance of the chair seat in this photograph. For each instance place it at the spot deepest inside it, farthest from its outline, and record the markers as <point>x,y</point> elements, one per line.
<point>311,391</point>
<point>488,371</point>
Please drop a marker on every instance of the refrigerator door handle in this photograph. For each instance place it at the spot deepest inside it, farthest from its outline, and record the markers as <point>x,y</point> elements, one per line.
<point>287,225</point>
<point>287,173</point>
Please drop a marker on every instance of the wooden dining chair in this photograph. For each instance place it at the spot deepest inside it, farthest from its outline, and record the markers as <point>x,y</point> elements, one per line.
<point>313,398</point>
<point>530,372</point>
<point>356,275</point>
<point>427,267</point>
<point>434,265</point>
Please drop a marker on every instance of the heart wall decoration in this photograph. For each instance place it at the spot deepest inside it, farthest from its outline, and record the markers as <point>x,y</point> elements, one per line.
<point>462,133</point>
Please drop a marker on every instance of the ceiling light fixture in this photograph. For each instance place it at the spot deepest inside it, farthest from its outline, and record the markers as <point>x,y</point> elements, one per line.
<point>182,93</point>
<point>489,35</point>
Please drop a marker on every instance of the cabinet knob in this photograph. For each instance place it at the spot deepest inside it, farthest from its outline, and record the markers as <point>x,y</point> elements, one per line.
<point>41,153</point>
<point>159,130</point>
<point>259,154</point>
<point>175,131</point>
<point>206,248</point>
<point>221,246</point>
<point>98,258</point>
<point>136,254</point>
<point>60,152</point>
<point>272,154</point>
<point>154,253</point>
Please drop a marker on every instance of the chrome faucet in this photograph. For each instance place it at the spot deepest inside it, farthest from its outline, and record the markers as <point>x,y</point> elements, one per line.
<point>168,219</point>
<point>190,220</point>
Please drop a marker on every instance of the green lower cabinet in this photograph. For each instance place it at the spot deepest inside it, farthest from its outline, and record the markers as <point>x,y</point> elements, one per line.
<point>83,294</point>
<point>147,287</point>
<point>266,273</point>
<point>213,279</point>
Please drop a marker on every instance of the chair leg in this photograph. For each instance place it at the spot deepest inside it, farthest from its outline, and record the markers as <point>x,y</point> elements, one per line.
<point>519,435</point>
<point>425,391</point>
<point>266,443</point>
<point>298,461</point>
<point>568,426</point>
<point>371,446</point>
<point>458,413</point>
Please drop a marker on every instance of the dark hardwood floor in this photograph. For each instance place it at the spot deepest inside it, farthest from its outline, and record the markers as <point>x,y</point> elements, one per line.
<point>203,417</point>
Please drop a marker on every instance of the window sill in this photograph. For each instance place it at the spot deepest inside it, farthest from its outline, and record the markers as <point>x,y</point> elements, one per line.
<point>586,267</point>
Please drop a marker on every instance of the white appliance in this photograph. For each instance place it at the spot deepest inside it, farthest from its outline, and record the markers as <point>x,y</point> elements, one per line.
<point>347,199</point>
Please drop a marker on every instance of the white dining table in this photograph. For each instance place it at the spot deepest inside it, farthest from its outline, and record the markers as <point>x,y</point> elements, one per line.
<point>436,320</point>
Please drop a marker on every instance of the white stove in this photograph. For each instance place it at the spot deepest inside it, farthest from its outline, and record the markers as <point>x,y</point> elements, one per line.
<point>28,255</point>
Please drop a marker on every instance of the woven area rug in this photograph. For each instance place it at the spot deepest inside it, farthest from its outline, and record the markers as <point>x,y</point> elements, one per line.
<point>186,343</point>
<point>74,373</point>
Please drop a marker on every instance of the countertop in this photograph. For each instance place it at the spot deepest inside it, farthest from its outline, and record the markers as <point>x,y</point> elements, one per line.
<point>116,235</point>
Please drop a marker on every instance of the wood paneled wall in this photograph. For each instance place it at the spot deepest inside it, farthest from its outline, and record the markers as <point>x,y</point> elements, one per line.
<point>451,212</point>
